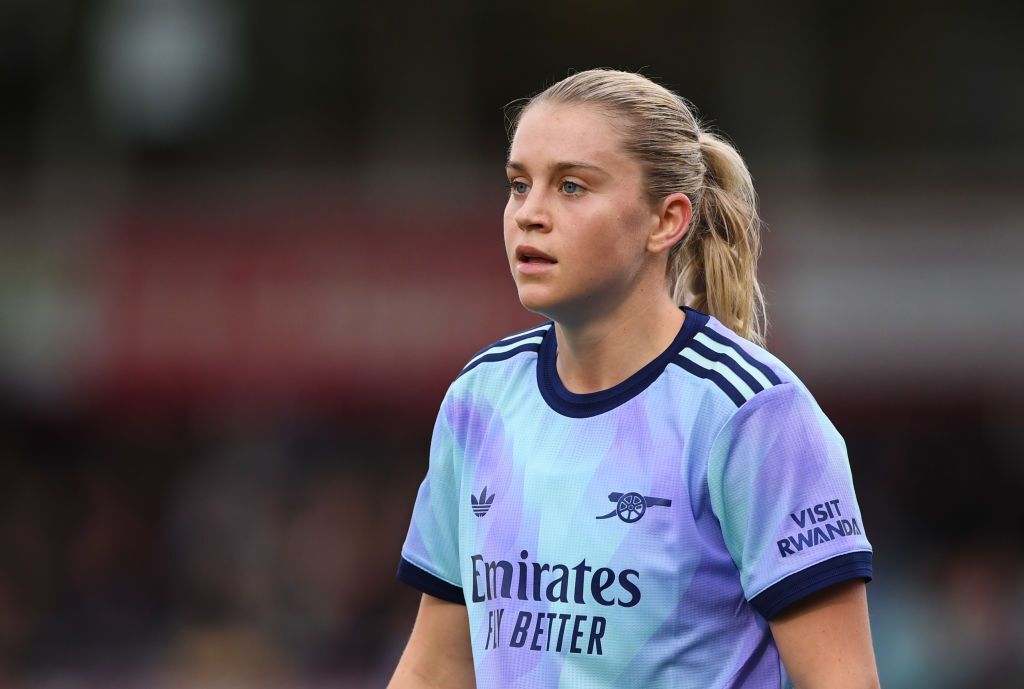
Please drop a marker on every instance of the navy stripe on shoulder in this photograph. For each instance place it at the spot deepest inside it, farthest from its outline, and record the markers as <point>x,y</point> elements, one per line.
<point>734,366</point>
<point>779,596</point>
<point>714,376</point>
<point>760,366</point>
<point>500,356</point>
<point>515,337</point>
<point>426,582</point>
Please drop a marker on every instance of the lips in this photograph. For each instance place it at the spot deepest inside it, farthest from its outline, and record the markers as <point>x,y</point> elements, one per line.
<point>530,254</point>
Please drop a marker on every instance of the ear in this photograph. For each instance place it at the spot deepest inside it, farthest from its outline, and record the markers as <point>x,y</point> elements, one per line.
<point>673,219</point>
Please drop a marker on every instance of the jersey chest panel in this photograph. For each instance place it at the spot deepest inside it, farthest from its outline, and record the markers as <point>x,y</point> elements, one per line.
<point>580,538</point>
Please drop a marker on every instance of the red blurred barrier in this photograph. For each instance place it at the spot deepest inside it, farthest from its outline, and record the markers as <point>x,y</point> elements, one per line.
<point>336,306</point>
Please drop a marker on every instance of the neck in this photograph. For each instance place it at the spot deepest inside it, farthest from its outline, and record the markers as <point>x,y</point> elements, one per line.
<point>603,351</point>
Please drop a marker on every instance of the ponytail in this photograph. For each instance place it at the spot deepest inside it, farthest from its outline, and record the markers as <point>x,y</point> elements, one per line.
<point>716,262</point>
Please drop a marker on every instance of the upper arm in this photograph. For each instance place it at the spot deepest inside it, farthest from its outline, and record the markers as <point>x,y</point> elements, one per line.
<point>780,484</point>
<point>824,640</point>
<point>430,554</point>
<point>439,653</point>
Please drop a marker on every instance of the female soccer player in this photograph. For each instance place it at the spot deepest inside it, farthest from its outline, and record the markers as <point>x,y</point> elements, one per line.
<point>635,494</point>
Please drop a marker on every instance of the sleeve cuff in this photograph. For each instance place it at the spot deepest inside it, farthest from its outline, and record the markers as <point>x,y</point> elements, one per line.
<point>780,595</point>
<point>426,582</point>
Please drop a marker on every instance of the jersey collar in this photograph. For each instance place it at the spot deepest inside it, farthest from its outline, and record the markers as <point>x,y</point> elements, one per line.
<point>581,405</point>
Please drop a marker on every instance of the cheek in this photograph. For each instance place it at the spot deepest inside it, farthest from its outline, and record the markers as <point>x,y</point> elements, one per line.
<point>509,238</point>
<point>508,226</point>
<point>509,213</point>
<point>613,239</point>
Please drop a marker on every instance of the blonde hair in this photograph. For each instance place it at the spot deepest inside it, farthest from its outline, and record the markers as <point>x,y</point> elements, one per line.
<point>714,267</point>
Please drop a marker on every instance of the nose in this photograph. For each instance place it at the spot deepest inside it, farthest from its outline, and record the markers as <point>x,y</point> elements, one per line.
<point>532,213</point>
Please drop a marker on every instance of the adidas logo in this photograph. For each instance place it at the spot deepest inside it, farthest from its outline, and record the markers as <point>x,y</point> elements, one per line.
<point>483,503</point>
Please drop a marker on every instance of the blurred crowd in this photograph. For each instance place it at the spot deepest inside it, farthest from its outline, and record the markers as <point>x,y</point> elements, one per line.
<point>185,552</point>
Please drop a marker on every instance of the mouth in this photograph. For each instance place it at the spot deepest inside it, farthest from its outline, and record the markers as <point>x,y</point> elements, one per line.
<point>529,254</point>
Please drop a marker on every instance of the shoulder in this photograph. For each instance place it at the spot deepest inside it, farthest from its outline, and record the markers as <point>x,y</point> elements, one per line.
<point>493,358</point>
<point>763,392</point>
<point>500,368</point>
<point>731,366</point>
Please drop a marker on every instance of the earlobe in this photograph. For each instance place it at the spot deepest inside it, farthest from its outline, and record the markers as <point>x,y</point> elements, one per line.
<point>675,213</point>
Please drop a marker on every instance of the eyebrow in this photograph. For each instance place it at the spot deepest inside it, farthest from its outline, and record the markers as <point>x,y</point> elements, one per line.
<point>558,167</point>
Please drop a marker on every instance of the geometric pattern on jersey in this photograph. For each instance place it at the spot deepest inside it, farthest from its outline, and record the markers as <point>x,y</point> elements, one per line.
<point>640,536</point>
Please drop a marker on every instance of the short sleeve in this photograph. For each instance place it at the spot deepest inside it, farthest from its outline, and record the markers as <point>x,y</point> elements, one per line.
<point>430,554</point>
<point>780,484</point>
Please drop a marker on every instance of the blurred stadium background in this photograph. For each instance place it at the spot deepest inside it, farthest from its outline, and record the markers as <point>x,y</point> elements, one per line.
<point>245,245</point>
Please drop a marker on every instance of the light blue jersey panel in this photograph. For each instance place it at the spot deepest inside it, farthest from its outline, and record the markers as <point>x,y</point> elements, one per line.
<point>640,536</point>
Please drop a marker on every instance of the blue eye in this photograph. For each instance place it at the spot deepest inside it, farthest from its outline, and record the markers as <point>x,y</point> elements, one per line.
<point>574,187</point>
<point>517,187</point>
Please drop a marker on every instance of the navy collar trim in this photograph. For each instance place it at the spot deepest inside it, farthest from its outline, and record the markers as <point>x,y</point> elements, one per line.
<point>582,405</point>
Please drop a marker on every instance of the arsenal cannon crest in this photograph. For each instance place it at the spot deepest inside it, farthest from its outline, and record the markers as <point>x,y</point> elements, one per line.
<point>630,507</point>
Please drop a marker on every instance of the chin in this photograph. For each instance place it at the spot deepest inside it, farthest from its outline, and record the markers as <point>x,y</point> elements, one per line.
<point>540,301</point>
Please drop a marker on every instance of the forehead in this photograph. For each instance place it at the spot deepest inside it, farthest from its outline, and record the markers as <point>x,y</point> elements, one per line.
<point>549,133</point>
